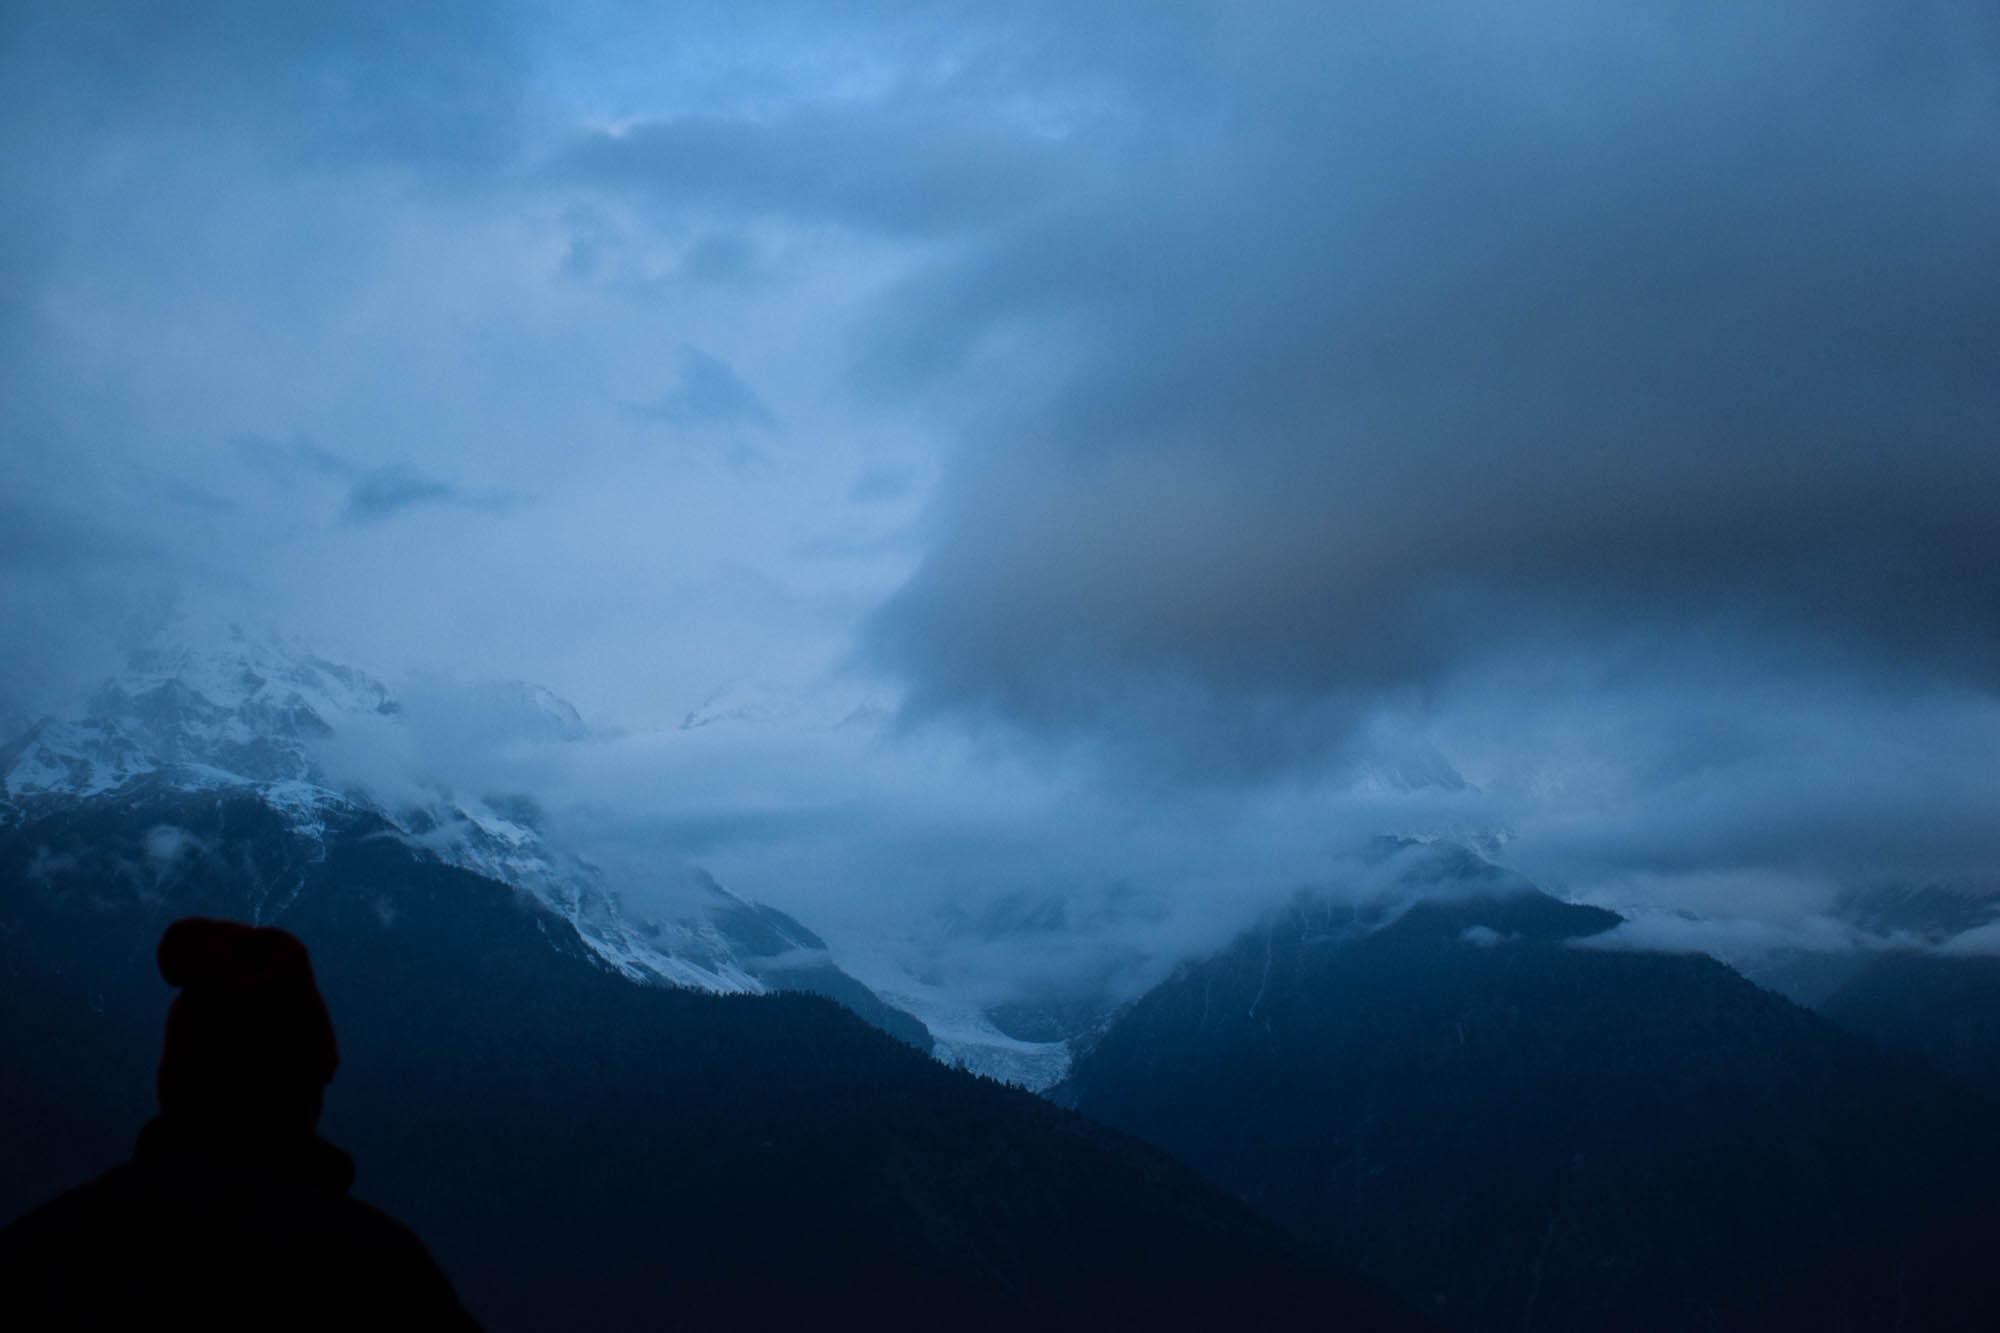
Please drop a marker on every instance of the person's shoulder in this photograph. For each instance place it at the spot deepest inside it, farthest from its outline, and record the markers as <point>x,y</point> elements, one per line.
<point>392,1266</point>
<point>163,1232</point>
<point>83,1205</point>
<point>363,1224</point>
<point>53,1259</point>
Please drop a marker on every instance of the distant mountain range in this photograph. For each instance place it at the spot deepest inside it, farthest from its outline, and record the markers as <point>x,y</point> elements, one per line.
<point>582,1151</point>
<point>1450,1080</point>
<point>592,1117</point>
<point>200,715</point>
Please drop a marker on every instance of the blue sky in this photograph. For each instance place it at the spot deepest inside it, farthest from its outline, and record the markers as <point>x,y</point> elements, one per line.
<point>1117,453</point>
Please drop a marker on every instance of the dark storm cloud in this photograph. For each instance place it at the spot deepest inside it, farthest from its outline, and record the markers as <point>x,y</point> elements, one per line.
<point>1767,771</point>
<point>1444,330</point>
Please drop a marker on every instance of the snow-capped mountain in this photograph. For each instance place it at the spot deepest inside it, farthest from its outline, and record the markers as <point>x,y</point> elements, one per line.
<point>231,709</point>
<point>245,711</point>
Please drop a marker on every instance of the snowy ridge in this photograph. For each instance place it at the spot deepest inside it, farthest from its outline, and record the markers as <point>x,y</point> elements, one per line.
<point>204,710</point>
<point>247,712</point>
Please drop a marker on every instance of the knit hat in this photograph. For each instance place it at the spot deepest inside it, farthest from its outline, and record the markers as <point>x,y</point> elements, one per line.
<point>248,1039</point>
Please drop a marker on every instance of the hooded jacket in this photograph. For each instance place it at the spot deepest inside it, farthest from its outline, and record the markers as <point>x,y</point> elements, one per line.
<point>233,1212</point>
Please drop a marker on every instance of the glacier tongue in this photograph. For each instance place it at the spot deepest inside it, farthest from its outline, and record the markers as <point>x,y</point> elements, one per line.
<point>967,1038</point>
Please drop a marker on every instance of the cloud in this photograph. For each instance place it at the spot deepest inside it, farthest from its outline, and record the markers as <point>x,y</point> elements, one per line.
<point>1736,940</point>
<point>298,455</point>
<point>167,845</point>
<point>709,393</point>
<point>882,485</point>
<point>437,86</point>
<point>198,499</point>
<point>922,164</point>
<point>42,537</point>
<point>721,257</point>
<point>1979,942</point>
<point>370,493</point>
<point>71,584</point>
<point>1478,334</point>
<point>1218,433</point>
<point>389,490</point>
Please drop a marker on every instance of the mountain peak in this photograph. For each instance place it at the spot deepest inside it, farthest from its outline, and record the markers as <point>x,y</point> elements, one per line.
<point>1407,889</point>
<point>242,707</point>
<point>205,706</point>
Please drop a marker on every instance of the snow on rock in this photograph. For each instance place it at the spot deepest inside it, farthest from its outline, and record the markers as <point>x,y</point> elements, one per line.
<point>205,707</point>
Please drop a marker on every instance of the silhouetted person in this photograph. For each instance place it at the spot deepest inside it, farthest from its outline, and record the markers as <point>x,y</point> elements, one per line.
<point>233,1212</point>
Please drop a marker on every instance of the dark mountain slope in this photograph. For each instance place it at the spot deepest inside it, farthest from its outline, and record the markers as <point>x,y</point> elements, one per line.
<point>785,956</point>
<point>1945,1009</point>
<point>1520,1133</point>
<point>579,1150</point>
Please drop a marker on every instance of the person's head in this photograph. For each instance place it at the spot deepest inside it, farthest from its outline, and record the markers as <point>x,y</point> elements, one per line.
<point>249,1044</point>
